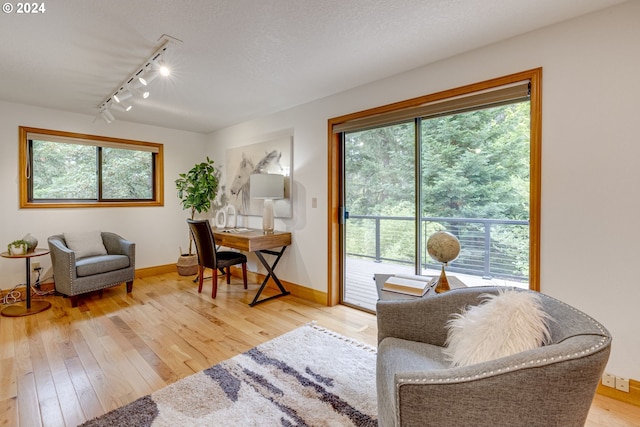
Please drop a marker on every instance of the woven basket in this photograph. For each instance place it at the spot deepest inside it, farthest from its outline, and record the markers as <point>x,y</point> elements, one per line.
<point>187,265</point>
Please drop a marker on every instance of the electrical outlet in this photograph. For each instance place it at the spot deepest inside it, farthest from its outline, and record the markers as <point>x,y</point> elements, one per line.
<point>35,266</point>
<point>608,380</point>
<point>622,384</point>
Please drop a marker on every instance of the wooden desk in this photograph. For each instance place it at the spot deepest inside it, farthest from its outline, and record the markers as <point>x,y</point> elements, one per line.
<point>16,310</point>
<point>256,241</point>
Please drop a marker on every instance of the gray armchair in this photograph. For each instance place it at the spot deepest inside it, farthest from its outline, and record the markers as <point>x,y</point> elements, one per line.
<point>74,276</point>
<point>549,386</point>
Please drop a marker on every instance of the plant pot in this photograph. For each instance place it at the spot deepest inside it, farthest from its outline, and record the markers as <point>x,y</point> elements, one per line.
<point>187,265</point>
<point>18,250</point>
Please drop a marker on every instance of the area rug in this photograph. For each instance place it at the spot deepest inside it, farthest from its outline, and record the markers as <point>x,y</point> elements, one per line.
<point>310,376</point>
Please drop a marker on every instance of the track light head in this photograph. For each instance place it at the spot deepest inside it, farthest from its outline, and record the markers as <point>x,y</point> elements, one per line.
<point>107,116</point>
<point>122,95</point>
<point>148,77</point>
<point>139,89</point>
<point>164,70</point>
<point>123,106</point>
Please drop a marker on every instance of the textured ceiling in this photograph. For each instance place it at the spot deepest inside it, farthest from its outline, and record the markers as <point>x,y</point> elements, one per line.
<point>241,59</point>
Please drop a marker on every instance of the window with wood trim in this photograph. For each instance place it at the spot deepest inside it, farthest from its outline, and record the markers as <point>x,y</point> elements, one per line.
<point>64,169</point>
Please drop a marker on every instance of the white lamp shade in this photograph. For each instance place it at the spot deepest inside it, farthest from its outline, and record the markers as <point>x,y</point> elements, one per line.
<point>266,186</point>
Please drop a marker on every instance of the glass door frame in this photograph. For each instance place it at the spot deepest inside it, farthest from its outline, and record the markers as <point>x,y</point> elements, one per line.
<point>335,262</point>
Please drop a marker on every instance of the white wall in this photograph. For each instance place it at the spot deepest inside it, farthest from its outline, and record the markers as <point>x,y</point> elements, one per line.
<point>157,231</point>
<point>590,177</point>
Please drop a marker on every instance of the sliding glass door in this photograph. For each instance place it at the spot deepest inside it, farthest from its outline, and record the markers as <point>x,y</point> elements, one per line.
<point>463,166</point>
<point>475,180</point>
<point>379,232</point>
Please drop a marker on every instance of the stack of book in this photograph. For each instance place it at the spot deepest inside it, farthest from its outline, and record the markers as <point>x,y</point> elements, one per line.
<point>409,284</point>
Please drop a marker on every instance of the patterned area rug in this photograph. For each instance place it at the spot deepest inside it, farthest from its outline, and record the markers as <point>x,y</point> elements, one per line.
<point>308,377</point>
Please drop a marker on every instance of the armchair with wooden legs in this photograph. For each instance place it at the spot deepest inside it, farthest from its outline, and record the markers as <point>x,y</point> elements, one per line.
<point>210,257</point>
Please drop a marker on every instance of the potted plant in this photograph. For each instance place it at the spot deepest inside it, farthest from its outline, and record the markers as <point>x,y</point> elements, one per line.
<point>196,189</point>
<point>17,247</point>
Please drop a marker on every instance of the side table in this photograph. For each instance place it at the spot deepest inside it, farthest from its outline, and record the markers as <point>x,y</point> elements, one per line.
<point>383,295</point>
<point>16,310</point>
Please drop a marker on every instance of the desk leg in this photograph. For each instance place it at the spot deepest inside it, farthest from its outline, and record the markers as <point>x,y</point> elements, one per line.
<point>271,273</point>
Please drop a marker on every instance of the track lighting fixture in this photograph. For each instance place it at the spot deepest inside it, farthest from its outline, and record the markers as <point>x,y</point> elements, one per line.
<point>148,77</point>
<point>138,82</point>
<point>139,89</point>
<point>122,94</point>
<point>164,69</point>
<point>122,106</point>
<point>107,116</point>
<point>143,93</point>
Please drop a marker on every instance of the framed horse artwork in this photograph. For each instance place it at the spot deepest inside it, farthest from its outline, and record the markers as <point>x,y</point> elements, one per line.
<point>274,156</point>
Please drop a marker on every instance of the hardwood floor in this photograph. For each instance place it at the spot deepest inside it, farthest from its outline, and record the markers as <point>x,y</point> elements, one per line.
<point>66,365</point>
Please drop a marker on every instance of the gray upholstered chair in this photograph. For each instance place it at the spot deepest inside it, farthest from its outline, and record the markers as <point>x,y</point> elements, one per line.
<point>77,275</point>
<point>552,385</point>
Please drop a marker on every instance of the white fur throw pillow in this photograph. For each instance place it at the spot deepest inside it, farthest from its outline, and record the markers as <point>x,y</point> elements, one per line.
<point>503,324</point>
<point>85,243</point>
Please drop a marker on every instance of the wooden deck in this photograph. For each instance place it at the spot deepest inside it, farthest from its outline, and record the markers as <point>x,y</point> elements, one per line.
<point>360,288</point>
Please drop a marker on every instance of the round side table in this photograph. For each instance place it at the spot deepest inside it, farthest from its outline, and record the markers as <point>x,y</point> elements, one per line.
<point>30,307</point>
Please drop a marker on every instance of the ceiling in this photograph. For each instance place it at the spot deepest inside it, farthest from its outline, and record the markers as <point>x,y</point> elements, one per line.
<point>241,59</point>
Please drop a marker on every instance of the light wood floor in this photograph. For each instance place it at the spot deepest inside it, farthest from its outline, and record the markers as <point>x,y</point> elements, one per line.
<point>66,365</point>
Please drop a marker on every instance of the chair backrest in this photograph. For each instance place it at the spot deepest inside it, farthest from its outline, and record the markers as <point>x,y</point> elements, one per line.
<point>205,242</point>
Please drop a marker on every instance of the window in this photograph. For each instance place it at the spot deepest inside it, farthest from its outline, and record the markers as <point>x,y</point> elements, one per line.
<point>63,169</point>
<point>466,160</point>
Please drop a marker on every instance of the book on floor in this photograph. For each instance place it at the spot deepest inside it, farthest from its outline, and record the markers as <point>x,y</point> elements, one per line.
<point>409,285</point>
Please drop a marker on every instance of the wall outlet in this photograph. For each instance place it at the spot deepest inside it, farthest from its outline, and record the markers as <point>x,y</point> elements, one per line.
<point>622,384</point>
<point>608,380</point>
<point>35,266</point>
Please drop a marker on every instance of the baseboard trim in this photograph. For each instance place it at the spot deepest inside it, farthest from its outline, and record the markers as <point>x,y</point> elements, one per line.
<point>633,397</point>
<point>141,273</point>
<point>296,290</point>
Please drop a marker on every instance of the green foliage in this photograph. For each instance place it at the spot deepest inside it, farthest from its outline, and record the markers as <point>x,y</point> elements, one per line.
<point>476,164</point>
<point>18,244</point>
<point>136,166</point>
<point>373,160</point>
<point>472,165</point>
<point>198,187</point>
<point>64,171</point>
<point>70,171</point>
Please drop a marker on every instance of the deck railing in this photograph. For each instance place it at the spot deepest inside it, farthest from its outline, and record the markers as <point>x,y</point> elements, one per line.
<point>489,247</point>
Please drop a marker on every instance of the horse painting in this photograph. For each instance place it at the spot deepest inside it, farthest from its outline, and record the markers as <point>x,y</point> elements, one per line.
<point>240,185</point>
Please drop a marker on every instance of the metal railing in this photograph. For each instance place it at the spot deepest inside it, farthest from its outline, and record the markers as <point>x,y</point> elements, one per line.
<point>489,247</point>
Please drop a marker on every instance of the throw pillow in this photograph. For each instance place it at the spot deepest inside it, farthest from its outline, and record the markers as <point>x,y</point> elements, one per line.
<point>85,243</point>
<point>503,324</point>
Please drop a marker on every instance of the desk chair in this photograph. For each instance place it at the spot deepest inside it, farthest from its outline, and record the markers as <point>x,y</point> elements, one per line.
<point>210,257</point>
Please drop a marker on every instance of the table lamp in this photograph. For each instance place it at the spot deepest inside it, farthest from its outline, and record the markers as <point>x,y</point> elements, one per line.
<point>267,187</point>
